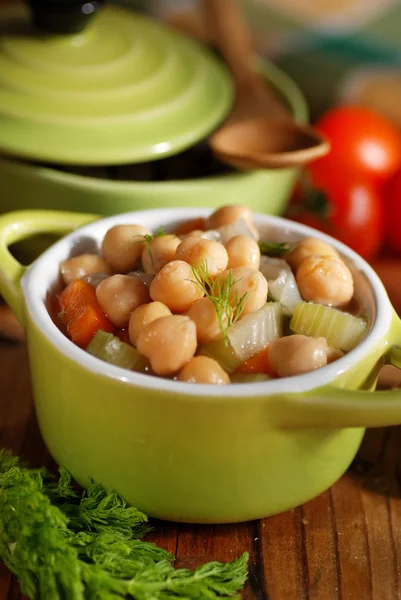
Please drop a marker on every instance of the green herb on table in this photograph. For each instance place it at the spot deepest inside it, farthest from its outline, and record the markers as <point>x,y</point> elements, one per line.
<point>274,248</point>
<point>61,544</point>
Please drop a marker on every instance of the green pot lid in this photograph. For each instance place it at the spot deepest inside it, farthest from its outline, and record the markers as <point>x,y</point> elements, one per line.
<point>127,89</point>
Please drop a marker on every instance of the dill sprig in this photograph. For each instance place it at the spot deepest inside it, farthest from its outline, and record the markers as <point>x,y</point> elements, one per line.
<point>151,236</point>
<point>274,248</point>
<point>219,290</point>
<point>60,544</point>
<point>148,237</point>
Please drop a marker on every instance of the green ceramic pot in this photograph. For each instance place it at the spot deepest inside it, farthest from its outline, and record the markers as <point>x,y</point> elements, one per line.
<point>190,452</point>
<point>26,186</point>
<point>127,89</point>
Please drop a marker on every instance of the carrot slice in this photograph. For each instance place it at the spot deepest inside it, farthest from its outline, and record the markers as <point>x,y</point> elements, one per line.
<point>74,298</point>
<point>82,329</point>
<point>81,313</point>
<point>189,226</point>
<point>259,363</point>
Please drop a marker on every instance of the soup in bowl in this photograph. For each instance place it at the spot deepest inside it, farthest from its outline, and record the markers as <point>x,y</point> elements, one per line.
<point>293,363</point>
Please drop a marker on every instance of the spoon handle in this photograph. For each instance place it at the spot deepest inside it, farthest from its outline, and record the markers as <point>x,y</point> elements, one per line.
<point>224,20</point>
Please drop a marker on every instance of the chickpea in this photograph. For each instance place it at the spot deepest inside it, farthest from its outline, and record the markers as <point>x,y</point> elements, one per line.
<point>229,214</point>
<point>188,243</point>
<point>334,354</point>
<point>308,247</point>
<point>122,246</point>
<point>120,295</point>
<point>95,278</point>
<point>250,282</point>
<point>168,343</point>
<point>143,315</point>
<point>147,278</point>
<point>297,354</point>
<point>158,252</point>
<point>175,286</point>
<point>202,369</point>
<point>194,233</point>
<point>204,315</point>
<point>325,280</point>
<point>198,251</point>
<point>243,252</point>
<point>80,266</point>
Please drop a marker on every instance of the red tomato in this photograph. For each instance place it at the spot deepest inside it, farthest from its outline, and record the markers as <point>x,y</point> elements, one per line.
<point>347,208</point>
<point>362,141</point>
<point>392,200</point>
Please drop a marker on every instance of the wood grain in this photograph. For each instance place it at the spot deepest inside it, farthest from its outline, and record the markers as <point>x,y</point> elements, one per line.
<point>321,547</point>
<point>283,556</point>
<point>343,545</point>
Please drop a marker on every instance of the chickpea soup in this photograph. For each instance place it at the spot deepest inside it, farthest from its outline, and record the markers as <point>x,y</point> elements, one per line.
<point>210,302</point>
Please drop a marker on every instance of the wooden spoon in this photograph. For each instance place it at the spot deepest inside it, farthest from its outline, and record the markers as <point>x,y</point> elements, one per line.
<point>259,133</point>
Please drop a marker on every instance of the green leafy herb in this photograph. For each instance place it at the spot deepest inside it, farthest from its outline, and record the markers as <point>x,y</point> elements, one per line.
<point>219,291</point>
<point>60,544</point>
<point>274,248</point>
<point>149,237</point>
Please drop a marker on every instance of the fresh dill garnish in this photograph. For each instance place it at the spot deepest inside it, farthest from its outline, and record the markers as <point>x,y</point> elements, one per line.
<point>61,544</point>
<point>274,248</point>
<point>219,291</point>
<point>151,236</point>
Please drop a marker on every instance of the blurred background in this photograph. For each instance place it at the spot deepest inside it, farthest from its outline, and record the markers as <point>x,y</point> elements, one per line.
<point>336,50</point>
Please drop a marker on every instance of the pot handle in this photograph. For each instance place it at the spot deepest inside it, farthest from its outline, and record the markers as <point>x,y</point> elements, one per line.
<point>20,225</point>
<point>332,407</point>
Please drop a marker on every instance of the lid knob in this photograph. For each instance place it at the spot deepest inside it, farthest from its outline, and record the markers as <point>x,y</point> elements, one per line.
<point>63,16</point>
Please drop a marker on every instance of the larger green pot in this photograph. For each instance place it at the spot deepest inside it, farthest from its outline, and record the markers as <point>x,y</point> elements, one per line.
<point>25,186</point>
<point>190,452</point>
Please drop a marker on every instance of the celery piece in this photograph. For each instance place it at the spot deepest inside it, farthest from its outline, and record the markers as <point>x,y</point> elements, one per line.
<point>111,349</point>
<point>223,353</point>
<point>248,377</point>
<point>99,341</point>
<point>340,329</point>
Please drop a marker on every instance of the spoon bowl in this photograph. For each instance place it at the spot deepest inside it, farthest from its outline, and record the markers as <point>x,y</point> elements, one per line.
<point>266,143</point>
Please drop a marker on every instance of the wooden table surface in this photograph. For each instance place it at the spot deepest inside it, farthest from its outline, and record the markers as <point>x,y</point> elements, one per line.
<point>345,544</point>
